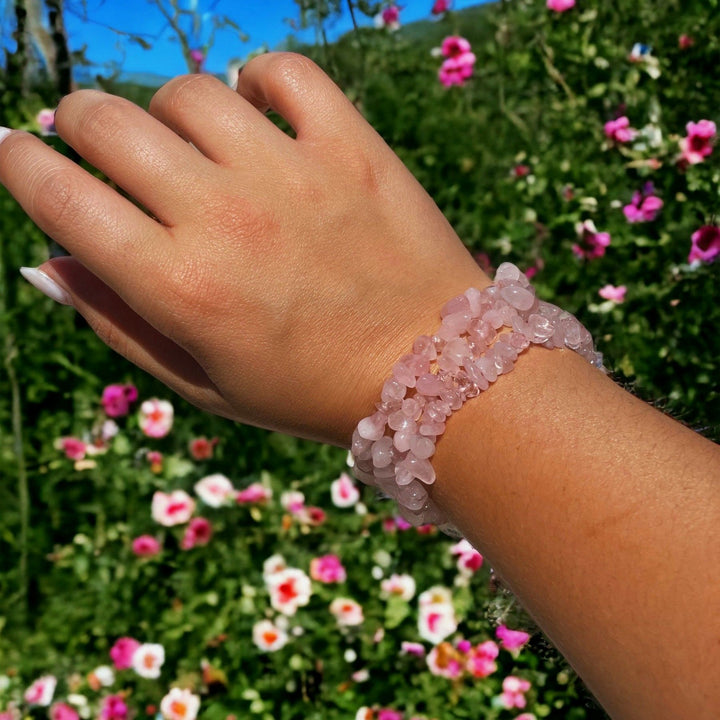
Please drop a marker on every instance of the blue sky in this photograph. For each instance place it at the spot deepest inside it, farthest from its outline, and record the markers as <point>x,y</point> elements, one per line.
<point>92,23</point>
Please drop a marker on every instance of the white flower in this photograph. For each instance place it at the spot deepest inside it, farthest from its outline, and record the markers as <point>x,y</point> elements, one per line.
<point>156,417</point>
<point>104,675</point>
<point>289,590</point>
<point>274,564</point>
<point>292,500</point>
<point>180,704</point>
<point>436,621</point>
<point>215,490</point>
<point>347,612</point>
<point>175,508</point>
<point>343,491</point>
<point>148,659</point>
<point>41,691</point>
<point>435,595</point>
<point>269,637</point>
<point>400,585</point>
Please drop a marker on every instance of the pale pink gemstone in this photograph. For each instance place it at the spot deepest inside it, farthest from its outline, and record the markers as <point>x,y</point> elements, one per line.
<point>541,328</point>
<point>403,476</point>
<point>518,297</point>
<point>484,330</point>
<point>388,407</point>
<point>413,496</point>
<point>474,297</point>
<point>388,472</point>
<point>458,322</point>
<point>507,313</point>
<point>475,374</point>
<point>421,468</point>
<point>432,429</point>
<point>494,318</point>
<point>364,476</point>
<point>382,452</point>
<point>359,443</point>
<point>419,364</point>
<point>392,390</point>
<point>548,310</point>
<point>476,344</point>
<point>421,447</point>
<point>401,440</point>
<point>573,333</point>
<point>400,421</point>
<point>372,427</point>
<point>436,411</point>
<point>412,407</point>
<point>459,304</point>
<point>403,374</point>
<point>429,385</point>
<point>507,271</point>
<point>452,397</point>
<point>457,350</point>
<point>486,365</point>
<point>518,341</point>
<point>423,345</point>
<point>448,364</point>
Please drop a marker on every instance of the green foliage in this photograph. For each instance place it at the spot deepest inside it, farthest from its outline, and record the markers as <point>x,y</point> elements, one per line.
<point>544,85</point>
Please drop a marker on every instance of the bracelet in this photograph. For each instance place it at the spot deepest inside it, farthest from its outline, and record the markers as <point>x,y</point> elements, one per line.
<point>392,447</point>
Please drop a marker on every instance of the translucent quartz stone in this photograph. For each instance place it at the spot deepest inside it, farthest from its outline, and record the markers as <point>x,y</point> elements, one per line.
<point>372,427</point>
<point>429,385</point>
<point>458,322</point>
<point>412,408</point>
<point>421,447</point>
<point>403,476</point>
<point>392,390</point>
<point>548,310</point>
<point>457,350</point>
<point>540,328</point>
<point>432,429</point>
<point>448,364</point>
<point>518,341</point>
<point>400,421</point>
<point>401,440</point>
<point>421,468</point>
<point>476,375</point>
<point>507,313</point>
<point>438,343</point>
<point>386,473</point>
<point>359,443</point>
<point>459,304</point>
<point>474,297</point>
<point>452,397</point>
<point>507,271</point>
<point>364,477</point>
<point>413,496</point>
<point>573,333</point>
<point>520,298</point>
<point>483,330</point>
<point>423,345</point>
<point>476,344</point>
<point>388,407</point>
<point>503,363</point>
<point>494,318</point>
<point>486,365</point>
<point>387,486</point>
<point>382,452</point>
<point>436,411</point>
<point>417,363</point>
<point>403,374</point>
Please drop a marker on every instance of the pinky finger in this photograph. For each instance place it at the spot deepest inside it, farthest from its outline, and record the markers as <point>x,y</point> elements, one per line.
<point>67,281</point>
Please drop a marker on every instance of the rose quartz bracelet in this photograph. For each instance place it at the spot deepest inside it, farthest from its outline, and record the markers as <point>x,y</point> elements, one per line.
<point>391,448</point>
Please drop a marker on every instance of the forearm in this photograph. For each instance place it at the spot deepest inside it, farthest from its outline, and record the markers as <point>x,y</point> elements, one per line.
<point>602,515</point>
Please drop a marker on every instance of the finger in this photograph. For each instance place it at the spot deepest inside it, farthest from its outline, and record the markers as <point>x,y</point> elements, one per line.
<point>107,233</point>
<point>123,330</point>
<point>300,91</point>
<point>145,158</point>
<point>227,132</point>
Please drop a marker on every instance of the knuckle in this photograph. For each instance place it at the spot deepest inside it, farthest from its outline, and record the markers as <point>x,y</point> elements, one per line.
<point>54,200</point>
<point>181,92</point>
<point>287,69</point>
<point>100,118</point>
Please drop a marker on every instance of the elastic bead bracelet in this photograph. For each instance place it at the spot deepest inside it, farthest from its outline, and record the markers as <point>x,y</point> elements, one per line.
<point>392,447</point>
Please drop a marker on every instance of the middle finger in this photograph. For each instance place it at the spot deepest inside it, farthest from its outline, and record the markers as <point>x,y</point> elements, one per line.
<point>144,157</point>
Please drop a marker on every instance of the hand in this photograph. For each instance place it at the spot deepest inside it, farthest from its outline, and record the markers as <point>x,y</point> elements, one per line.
<point>273,280</point>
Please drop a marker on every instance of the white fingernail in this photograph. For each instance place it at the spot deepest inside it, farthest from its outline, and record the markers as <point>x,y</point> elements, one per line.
<point>4,132</point>
<point>45,284</point>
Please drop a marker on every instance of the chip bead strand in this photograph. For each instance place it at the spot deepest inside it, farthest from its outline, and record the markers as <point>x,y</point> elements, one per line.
<point>481,335</point>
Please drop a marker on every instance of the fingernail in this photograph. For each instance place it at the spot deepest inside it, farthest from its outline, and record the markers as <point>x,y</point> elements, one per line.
<point>4,132</point>
<point>45,284</point>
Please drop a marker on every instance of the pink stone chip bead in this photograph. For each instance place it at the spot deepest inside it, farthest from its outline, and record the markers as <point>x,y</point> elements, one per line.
<point>481,334</point>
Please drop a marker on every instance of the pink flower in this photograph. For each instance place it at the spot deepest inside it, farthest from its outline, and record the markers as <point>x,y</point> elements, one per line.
<point>388,714</point>
<point>254,493</point>
<point>344,492</point>
<point>171,509</point>
<point>481,659</point>
<point>202,449</point>
<point>113,708</point>
<point>592,243</point>
<point>156,417</point>
<point>347,612</point>
<point>559,6</point>
<point>289,589</point>
<point>63,711</point>
<point>619,130</point>
<point>73,448</point>
<point>699,142</point>
<point>685,42</point>
<point>412,648</point>
<point>514,689</point>
<point>440,6</point>
<point>268,637</point>
<point>644,207</point>
<point>121,653</point>
<point>180,704</point>
<point>41,691</point>
<point>46,120</point>
<point>198,58</point>
<point>445,661</point>
<point>511,639</point>
<point>215,490</point>
<point>610,292</point>
<point>521,171</point>
<point>198,532</point>
<point>459,63</point>
<point>454,46</point>
<point>705,244</point>
<point>155,459</point>
<point>327,569</point>
<point>469,560</point>
<point>389,18</point>
<point>311,515</point>
<point>145,546</point>
<point>116,399</point>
